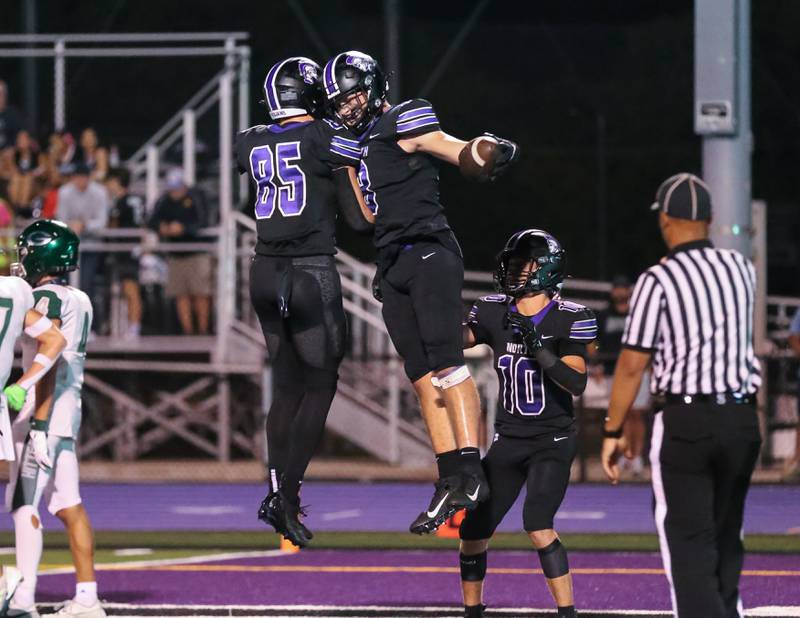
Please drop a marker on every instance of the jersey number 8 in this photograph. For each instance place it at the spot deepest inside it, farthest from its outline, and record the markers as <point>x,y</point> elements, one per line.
<point>280,180</point>
<point>523,387</point>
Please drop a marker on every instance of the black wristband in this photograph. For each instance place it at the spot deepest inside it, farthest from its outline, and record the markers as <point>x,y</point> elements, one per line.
<point>616,433</point>
<point>38,424</point>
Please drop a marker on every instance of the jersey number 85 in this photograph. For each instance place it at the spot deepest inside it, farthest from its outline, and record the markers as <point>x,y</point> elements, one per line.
<point>280,180</point>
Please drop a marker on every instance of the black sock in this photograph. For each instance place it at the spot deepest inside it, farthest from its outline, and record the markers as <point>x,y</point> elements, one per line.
<point>474,611</point>
<point>447,463</point>
<point>568,611</point>
<point>469,460</point>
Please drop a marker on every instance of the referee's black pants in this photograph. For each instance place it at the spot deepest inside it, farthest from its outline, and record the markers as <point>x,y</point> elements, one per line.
<point>702,457</point>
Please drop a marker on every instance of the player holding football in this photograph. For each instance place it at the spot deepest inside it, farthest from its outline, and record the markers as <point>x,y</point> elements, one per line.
<point>47,251</point>
<point>299,165</point>
<point>539,343</point>
<point>420,264</point>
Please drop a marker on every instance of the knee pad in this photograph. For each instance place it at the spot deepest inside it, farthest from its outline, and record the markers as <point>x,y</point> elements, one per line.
<point>451,378</point>
<point>473,568</point>
<point>554,560</point>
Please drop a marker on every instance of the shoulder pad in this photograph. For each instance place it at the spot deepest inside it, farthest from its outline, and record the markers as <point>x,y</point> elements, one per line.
<point>415,116</point>
<point>495,298</point>
<point>257,128</point>
<point>568,305</point>
<point>333,125</point>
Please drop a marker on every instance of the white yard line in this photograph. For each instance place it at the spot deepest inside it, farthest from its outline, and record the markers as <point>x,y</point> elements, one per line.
<point>268,553</point>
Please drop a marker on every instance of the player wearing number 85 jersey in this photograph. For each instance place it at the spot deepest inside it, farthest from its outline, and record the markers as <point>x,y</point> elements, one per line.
<point>539,343</point>
<point>298,166</point>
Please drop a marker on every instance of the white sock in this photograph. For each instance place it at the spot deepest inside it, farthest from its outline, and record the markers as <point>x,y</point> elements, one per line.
<point>29,552</point>
<point>86,593</point>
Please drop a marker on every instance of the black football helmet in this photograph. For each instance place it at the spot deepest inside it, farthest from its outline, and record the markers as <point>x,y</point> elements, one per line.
<point>293,88</point>
<point>521,249</point>
<point>350,72</point>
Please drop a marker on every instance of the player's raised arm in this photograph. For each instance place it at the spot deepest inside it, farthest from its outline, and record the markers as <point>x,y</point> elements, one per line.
<point>51,343</point>
<point>483,158</point>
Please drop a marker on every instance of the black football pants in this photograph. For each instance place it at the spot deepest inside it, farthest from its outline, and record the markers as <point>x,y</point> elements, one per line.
<point>702,457</point>
<point>299,305</point>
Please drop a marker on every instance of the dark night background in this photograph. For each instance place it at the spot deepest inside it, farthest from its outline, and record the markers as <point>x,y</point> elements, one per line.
<point>537,72</point>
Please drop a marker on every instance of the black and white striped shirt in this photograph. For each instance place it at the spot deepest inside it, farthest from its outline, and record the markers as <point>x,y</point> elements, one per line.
<point>694,311</point>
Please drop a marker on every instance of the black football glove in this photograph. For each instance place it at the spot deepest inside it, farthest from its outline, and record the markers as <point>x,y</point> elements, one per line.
<point>524,326</point>
<point>506,153</point>
<point>376,286</point>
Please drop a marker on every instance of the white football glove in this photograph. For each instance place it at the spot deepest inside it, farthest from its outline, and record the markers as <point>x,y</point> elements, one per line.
<point>38,445</point>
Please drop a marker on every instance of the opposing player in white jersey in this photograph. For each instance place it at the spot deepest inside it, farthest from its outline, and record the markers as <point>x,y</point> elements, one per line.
<point>48,250</point>
<point>17,316</point>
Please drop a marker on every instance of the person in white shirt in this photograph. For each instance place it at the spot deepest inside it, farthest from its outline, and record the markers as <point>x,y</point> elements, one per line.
<point>49,250</point>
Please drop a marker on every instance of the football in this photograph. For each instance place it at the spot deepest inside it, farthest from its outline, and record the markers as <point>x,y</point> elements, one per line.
<point>476,159</point>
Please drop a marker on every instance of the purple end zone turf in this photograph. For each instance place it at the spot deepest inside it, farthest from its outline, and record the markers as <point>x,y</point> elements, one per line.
<point>310,585</point>
<point>388,507</point>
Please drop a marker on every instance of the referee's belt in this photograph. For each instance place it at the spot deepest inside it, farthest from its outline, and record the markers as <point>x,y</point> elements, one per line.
<point>720,399</point>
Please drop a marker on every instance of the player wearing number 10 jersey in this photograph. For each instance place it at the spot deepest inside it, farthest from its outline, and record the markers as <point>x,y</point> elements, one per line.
<point>294,285</point>
<point>539,343</point>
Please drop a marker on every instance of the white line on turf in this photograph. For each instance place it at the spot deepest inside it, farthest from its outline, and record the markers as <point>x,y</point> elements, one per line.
<point>334,515</point>
<point>133,551</point>
<point>268,553</point>
<point>783,612</point>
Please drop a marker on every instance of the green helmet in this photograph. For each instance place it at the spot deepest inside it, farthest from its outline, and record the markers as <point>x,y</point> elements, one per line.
<point>45,247</point>
<point>514,278</point>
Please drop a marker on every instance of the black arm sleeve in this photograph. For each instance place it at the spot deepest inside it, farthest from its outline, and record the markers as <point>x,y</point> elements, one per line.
<point>348,202</point>
<point>566,377</point>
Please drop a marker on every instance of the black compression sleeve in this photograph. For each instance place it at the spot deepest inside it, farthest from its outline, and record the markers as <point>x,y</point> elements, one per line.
<point>560,372</point>
<point>348,202</point>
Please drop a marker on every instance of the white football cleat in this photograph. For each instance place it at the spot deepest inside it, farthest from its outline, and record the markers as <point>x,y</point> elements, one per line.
<point>9,582</point>
<point>74,609</point>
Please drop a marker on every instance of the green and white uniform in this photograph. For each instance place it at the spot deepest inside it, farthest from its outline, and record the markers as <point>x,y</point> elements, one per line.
<point>29,482</point>
<point>16,299</point>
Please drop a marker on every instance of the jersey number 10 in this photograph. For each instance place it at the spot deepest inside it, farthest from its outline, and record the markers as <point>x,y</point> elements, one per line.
<point>523,387</point>
<point>280,180</point>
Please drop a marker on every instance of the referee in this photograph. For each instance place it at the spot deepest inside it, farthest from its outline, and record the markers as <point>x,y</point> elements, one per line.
<point>692,315</point>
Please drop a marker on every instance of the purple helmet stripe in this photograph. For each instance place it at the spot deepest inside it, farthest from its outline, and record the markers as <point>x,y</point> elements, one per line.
<point>269,86</point>
<point>331,87</point>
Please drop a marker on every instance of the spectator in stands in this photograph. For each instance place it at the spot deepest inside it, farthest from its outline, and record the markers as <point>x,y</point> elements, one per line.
<point>127,211</point>
<point>178,216</point>
<point>9,120</point>
<point>26,163</point>
<point>60,154</point>
<point>611,323</point>
<point>92,154</point>
<point>83,205</point>
<point>792,472</point>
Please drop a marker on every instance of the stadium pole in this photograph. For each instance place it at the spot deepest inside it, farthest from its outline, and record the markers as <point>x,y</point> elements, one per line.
<point>31,87</point>
<point>722,116</point>
<point>392,17</point>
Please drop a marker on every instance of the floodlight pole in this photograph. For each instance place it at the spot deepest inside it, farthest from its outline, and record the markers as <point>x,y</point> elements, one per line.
<point>722,116</point>
<point>391,22</point>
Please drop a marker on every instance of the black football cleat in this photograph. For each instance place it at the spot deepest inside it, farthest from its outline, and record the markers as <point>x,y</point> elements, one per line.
<point>283,515</point>
<point>472,489</point>
<point>474,611</point>
<point>441,507</point>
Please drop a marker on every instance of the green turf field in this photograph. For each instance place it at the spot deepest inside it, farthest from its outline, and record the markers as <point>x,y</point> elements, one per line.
<point>181,543</point>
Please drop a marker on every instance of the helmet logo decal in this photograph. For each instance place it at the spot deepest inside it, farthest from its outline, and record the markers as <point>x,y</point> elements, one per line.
<point>360,62</point>
<point>39,239</point>
<point>308,72</point>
